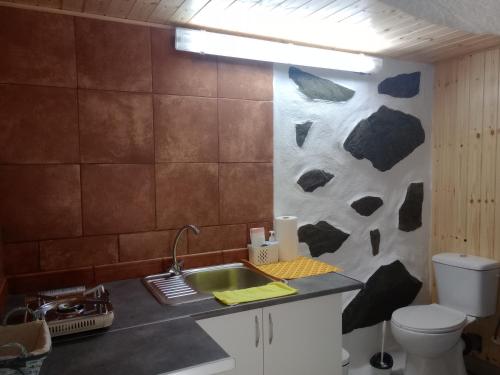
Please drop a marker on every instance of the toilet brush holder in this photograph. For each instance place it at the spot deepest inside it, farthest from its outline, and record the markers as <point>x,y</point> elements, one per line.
<point>379,366</point>
<point>381,362</point>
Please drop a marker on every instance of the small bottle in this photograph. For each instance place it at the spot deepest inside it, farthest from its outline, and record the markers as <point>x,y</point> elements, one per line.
<point>272,237</point>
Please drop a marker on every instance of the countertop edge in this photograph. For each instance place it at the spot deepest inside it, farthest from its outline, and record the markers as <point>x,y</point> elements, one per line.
<point>207,368</point>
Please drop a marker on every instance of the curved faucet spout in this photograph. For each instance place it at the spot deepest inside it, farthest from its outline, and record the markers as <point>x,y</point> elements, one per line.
<point>176,265</point>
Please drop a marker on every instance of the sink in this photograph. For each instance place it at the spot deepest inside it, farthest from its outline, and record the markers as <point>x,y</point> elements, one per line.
<point>234,277</point>
<point>199,283</point>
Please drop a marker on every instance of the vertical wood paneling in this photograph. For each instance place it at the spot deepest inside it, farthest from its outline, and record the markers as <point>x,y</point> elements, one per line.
<point>449,154</point>
<point>489,142</point>
<point>466,156</point>
<point>436,165</point>
<point>475,149</point>
<point>463,87</point>
<point>436,151</point>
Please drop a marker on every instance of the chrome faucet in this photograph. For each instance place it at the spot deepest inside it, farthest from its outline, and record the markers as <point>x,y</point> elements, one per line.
<point>176,265</point>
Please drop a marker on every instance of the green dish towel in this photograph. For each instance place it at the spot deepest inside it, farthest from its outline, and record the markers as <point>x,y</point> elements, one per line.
<point>271,290</point>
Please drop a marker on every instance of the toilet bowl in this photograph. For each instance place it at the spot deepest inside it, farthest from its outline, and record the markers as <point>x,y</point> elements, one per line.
<point>430,334</point>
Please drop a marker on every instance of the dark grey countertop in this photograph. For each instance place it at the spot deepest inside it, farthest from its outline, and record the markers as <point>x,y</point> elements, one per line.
<point>149,338</point>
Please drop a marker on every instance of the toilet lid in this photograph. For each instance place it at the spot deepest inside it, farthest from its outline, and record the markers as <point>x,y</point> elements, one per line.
<point>429,318</point>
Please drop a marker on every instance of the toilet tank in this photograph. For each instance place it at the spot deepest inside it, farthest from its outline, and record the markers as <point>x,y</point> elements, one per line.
<point>467,283</point>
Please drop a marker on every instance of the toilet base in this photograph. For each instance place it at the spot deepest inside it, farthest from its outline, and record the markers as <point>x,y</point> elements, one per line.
<point>449,363</point>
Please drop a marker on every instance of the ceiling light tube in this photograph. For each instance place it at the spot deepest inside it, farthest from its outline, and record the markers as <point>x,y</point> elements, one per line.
<point>204,42</point>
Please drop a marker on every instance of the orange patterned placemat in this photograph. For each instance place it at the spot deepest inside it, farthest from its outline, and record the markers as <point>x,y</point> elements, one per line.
<point>297,268</point>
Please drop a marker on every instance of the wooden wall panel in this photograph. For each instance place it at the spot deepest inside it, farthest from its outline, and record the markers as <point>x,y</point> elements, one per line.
<point>466,157</point>
<point>475,151</point>
<point>462,147</point>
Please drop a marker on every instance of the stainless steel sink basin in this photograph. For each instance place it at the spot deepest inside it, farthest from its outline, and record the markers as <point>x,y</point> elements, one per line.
<point>199,283</point>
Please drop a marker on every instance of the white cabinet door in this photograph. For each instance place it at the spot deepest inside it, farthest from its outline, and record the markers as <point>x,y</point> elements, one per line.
<point>241,336</point>
<point>304,337</point>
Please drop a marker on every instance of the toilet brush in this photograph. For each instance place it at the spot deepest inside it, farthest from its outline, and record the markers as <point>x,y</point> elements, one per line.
<point>381,363</point>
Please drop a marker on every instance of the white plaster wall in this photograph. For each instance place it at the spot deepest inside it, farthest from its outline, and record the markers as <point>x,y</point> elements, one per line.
<point>323,149</point>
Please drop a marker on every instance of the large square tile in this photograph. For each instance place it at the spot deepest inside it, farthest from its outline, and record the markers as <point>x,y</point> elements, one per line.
<point>21,258</point>
<point>35,282</point>
<point>235,255</point>
<point>78,252</point>
<point>113,56</point>
<point>246,192</point>
<point>117,198</point>
<point>37,48</point>
<point>187,193</point>
<point>245,131</point>
<point>128,270</point>
<point>150,245</point>
<point>186,129</point>
<point>181,73</point>
<point>40,202</point>
<point>115,127</point>
<point>239,79</point>
<point>39,125</point>
<point>213,258</point>
<point>218,238</point>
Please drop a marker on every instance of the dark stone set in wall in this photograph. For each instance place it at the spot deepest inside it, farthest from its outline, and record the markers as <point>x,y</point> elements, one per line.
<point>367,205</point>
<point>301,131</point>
<point>385,138</point>
<point>322,238</point>
<point>388,289</point>
<point>314,179</point>
<point>316,88</point>
<point>401,86</point>
<point>410,212</point>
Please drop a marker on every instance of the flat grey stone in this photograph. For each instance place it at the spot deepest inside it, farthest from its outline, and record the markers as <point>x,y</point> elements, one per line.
<point>301,131</point>
<point>315,87</point>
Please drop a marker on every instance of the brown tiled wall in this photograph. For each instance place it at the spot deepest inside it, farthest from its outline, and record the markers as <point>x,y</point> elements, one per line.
<point>110,140</point>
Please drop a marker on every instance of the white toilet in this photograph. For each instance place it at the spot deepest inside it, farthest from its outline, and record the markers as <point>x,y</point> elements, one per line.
<point>430,334</point>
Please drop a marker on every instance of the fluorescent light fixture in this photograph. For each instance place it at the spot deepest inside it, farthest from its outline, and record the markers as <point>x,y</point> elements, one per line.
<point>204,42</point>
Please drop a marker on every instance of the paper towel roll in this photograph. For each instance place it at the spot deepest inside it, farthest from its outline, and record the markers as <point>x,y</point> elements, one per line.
<point>286,232</point>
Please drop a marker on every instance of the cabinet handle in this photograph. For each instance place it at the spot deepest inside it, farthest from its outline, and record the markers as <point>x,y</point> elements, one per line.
<point>257,332</point>
<point>271,329</point>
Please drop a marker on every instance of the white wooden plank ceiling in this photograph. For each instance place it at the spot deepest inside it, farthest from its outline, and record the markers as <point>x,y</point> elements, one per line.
<point>355,25</point>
